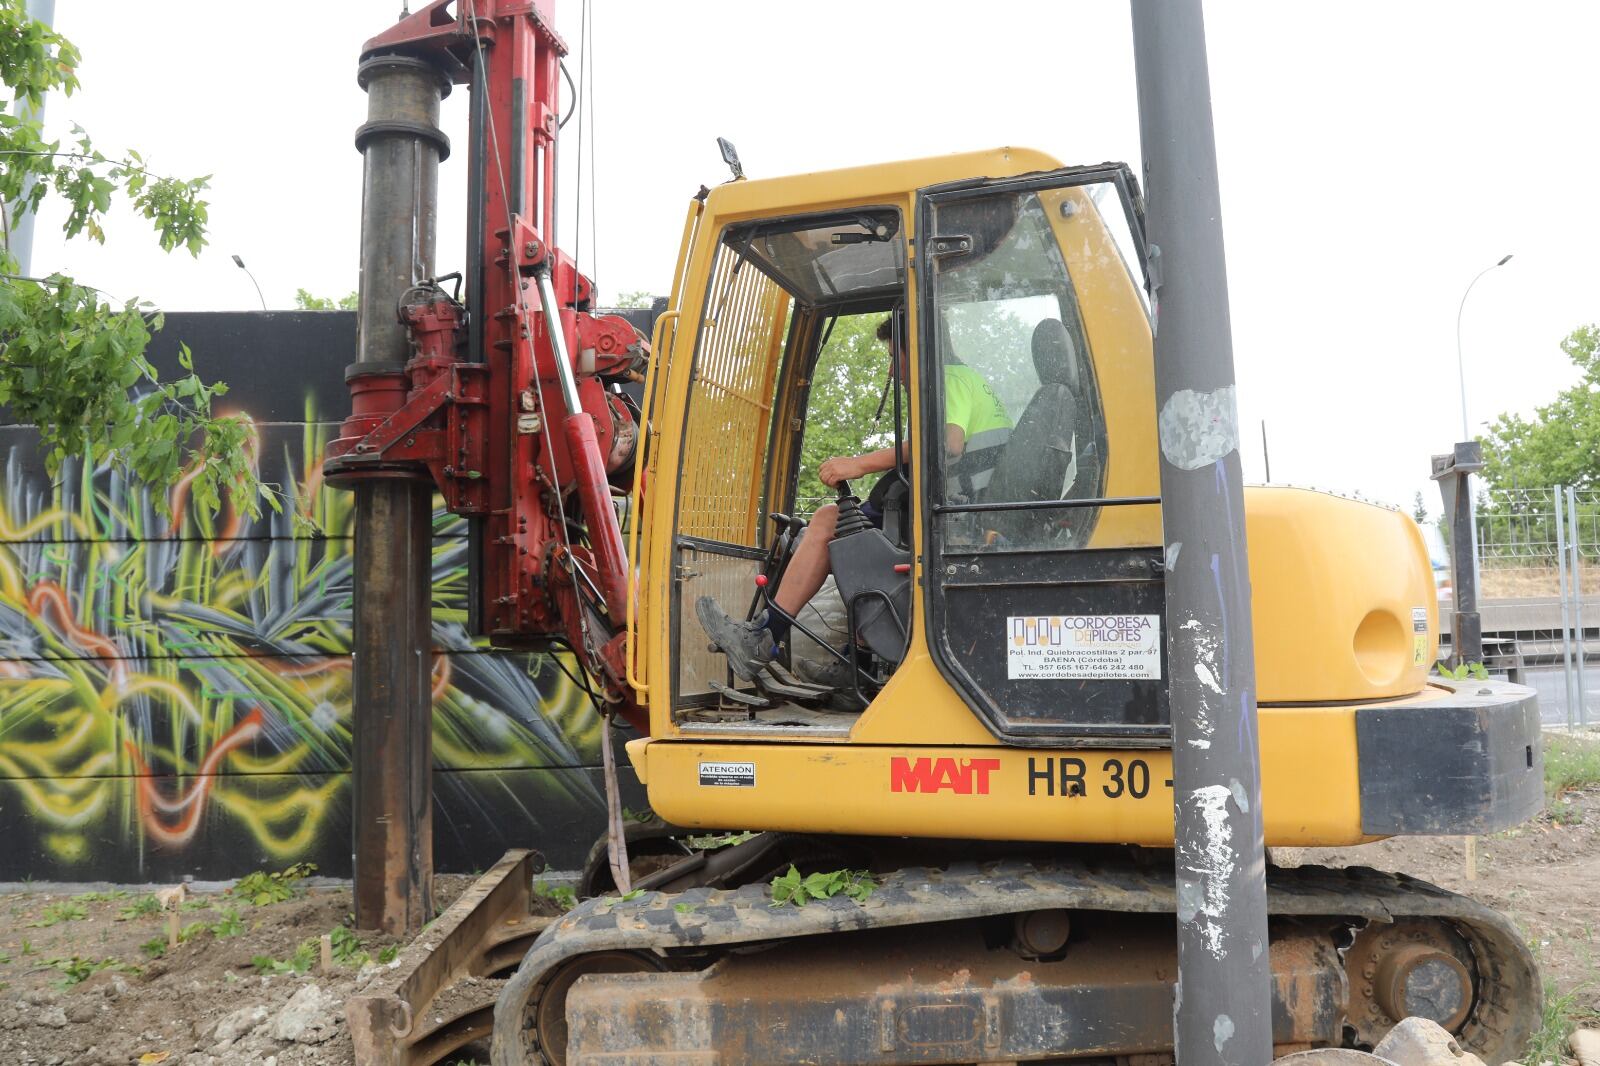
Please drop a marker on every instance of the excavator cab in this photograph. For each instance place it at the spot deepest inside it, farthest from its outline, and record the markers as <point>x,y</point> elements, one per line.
<point>1020,399</point>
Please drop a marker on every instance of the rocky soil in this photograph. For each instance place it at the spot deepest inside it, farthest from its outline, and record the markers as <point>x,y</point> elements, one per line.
<point>89,981</point>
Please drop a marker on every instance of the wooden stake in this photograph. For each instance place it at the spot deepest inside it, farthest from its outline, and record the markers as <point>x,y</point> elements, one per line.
<point>172,927</point>
<point>1472,858</point>
<point>327,952</point>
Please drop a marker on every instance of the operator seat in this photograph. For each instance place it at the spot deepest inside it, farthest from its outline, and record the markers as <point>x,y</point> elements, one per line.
<point>1047,456</point>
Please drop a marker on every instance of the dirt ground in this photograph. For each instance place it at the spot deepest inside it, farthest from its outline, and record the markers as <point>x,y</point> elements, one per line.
<point>86,991</point>
<point>82,990</point>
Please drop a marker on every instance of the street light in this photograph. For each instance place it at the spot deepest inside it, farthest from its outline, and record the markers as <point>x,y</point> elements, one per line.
<point>240,264</point>
<point>1461,371</point>
<point>1467,599</point>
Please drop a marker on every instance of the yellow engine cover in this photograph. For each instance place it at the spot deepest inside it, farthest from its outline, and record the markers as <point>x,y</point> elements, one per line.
<point>1342,597</point>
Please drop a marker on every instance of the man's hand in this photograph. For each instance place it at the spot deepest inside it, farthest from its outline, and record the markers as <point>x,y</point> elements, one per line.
<point>841,468</point>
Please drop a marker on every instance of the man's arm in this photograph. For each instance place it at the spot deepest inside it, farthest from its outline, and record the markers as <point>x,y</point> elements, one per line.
<point>848,468</point>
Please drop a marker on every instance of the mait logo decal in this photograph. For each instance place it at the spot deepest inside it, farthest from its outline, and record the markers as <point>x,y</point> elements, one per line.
<point>964,777</point>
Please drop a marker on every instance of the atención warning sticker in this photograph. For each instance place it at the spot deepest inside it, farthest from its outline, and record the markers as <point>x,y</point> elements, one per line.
<point>728,774</point>
<point>1084,647</point>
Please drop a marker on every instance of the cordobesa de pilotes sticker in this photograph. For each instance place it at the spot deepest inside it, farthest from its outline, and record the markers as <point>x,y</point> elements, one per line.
<point>1084,647</point>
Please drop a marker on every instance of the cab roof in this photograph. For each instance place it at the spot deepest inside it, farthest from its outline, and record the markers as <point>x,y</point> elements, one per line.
<point>822,189</point>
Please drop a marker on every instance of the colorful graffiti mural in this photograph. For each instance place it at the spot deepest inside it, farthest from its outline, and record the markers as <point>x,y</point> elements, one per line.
<point>175,692</point>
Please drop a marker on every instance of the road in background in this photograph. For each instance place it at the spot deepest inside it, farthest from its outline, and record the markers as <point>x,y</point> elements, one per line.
<point>1552,688</point>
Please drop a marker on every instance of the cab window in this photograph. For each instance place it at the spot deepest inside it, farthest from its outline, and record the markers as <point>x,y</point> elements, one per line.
<point>1044,513</point>
<point>1019,396</point>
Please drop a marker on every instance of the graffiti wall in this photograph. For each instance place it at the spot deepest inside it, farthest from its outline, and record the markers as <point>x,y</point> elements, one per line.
<point>175,687</point>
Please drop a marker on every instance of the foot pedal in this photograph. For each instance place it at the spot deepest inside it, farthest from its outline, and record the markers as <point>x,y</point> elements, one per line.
<point>769,683</point>
<point>786,678</point>
<point>748,699</point>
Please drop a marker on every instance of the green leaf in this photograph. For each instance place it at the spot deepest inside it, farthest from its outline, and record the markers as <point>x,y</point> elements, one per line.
<point>785,886</point>
<point>792,888</point>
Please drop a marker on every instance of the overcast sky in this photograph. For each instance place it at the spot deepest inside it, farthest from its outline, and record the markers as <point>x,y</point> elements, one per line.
<point>1374,157</point>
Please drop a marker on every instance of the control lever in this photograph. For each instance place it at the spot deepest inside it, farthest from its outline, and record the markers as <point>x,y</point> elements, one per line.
<point>787,523</point>
<point>851,518</point>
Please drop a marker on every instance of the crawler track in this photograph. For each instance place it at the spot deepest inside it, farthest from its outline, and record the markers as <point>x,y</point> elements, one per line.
<point>1505,1000</point>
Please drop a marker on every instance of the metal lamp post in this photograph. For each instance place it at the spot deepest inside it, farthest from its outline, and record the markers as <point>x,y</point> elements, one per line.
<point>1461,371</point>
<point>240,264</point>
<point>1468,634</point>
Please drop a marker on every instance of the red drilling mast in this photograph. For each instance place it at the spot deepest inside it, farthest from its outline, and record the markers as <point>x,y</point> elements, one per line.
<point>508,402</point>
<point>503,395</point>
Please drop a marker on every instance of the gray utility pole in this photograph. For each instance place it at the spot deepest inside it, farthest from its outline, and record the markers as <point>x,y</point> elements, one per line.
<point>393,761</point>
<point>1223,1004</point>
<point>19,237</point>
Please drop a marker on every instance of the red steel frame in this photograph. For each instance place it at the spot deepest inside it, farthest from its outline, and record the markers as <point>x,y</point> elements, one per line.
<point>492,429</point>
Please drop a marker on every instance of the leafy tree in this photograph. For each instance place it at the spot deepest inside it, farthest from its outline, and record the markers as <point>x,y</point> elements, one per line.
<point>1419,509</point>
<point>1524,459</point>
<point>307,302</point>
<point>998,343</point>
<point>1561,445</point>
<point>637,298</point>
<point>842,404</point>
<point>842,412</point>
<point>72,364</point>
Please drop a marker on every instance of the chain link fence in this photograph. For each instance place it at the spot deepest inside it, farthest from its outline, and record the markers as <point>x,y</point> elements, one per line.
<point>1539,588</point>
<point>1520,547</point>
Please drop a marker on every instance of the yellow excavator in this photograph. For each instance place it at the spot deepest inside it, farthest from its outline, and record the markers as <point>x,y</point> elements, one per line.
<point>909,750</point>
<point>996,753</point>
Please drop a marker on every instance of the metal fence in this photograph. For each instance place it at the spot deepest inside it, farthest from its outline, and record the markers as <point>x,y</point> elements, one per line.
<point>1539,589</point>
<point>1521,544</point>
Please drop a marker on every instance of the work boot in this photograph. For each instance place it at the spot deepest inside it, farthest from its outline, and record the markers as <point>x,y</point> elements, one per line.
<point>831,673</point>
<point>748,645</point>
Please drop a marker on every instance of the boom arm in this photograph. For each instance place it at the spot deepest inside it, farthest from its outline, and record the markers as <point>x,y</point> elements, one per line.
<point>510,403</point>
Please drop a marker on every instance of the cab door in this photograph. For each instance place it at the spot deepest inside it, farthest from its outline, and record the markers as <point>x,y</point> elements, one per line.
<point>1044,603</point>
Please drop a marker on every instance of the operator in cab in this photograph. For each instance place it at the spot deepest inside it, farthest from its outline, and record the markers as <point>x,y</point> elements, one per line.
<point>975,433</point>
